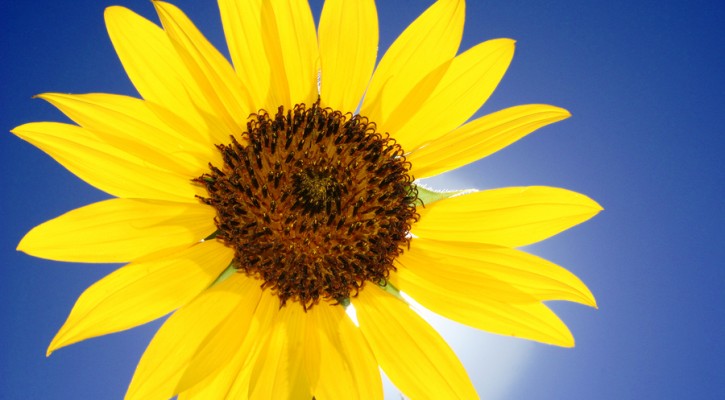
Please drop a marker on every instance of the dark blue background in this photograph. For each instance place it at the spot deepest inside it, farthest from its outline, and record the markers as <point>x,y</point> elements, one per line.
<point>644,81</point>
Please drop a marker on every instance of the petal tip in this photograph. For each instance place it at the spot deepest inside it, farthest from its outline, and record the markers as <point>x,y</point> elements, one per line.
<point>53,346</point>
<point>590,203</point>
<point>23,244</point>
<point>111,9</point>
<point>566,339</point>
<point>47,96</point>
<point>29,243</point>
<point>509,41</point>
<point>16,131</point>
<point>589,300</point>
<point>111,13</point>
<point>595,205</point>
<point>556,113</point>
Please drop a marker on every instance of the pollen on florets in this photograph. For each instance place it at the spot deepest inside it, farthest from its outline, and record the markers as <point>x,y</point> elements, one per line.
<point>314,202</point>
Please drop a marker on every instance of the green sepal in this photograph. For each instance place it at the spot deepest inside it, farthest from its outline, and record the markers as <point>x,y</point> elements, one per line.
<point>388,287</point>
<point>229,271</point>
<point>428,196</point>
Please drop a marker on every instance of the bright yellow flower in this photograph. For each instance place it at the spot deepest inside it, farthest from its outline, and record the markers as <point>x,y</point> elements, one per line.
<point>294,168</point>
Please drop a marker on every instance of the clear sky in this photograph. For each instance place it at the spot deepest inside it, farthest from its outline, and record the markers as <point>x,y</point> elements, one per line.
<point>645,83</point>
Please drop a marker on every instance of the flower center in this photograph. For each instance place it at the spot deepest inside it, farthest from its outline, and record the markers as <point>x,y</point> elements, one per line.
<point>314,202</point>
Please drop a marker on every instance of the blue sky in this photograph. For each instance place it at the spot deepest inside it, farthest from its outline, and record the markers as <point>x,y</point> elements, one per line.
<point>645,84</point>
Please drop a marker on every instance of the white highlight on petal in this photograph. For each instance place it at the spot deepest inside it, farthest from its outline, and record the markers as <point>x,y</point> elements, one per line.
<point>350,311</point>
<point>494,363</point>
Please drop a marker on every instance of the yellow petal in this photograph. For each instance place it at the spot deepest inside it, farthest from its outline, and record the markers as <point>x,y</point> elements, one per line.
<point>106,167</point>
<point>242,29</point>
<point>510,217</point>
<point>532,321</point>
<point>466,85</point>
<point>178,339</point>
<point>348,39</point>
<point>414,100</point>
<point>412,354</point>
<point>288,32</point>
<point>481,137</point>
<point>130,125</point>
<point>220,384</point>
<point>497,273</point>
<point>158,73</point>
<point>215,351</point>
<point>231,381</point>
<point>281,371</point>
<point>456,276</point>
<point>119,230</point>
<point>348,369</point>
<point>431,40</point>
<point>141,292</point>
<point>219,84</point>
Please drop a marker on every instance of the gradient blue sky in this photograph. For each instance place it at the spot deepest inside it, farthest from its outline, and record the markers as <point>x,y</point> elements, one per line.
<point>645,83</point>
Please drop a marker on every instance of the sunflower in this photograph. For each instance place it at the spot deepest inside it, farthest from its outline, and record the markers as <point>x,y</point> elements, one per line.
<point>259,202</point>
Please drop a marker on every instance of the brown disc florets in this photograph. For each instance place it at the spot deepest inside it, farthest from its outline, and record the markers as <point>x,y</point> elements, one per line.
<point>314,202</point>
